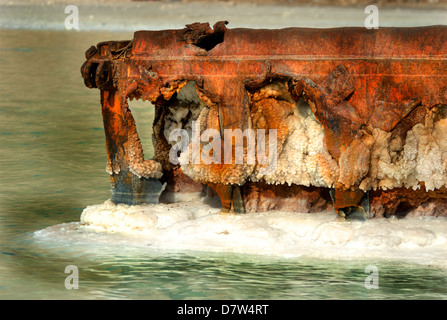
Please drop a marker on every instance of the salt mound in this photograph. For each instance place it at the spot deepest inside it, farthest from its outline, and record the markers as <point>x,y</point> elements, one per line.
<point>195,225</point>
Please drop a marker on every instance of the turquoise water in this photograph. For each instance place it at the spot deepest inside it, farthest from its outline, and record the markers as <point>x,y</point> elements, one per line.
<point>52,156</point>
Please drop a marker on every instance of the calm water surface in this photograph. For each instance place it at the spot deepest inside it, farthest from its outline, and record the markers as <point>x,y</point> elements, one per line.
<point>52,153</point>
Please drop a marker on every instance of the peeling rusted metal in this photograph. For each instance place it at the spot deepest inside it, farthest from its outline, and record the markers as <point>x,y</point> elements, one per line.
<point>357,82</point>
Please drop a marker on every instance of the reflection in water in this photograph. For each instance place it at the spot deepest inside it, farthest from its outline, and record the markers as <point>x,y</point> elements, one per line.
<point>53,160</point>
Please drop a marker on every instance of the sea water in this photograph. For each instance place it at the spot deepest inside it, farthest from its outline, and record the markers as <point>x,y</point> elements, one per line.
<point>54,213</point>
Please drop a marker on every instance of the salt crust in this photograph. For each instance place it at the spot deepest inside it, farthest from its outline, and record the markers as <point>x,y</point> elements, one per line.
<point>423,157</point>
<point>303,158</point>
<point>197,225</point>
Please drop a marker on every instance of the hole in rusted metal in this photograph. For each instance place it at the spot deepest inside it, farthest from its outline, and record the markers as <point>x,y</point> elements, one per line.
<point>143,114</point>
<point>202,36</point>
<point>210,41</point>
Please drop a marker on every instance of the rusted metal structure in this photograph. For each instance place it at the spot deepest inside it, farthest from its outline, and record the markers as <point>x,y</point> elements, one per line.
<point>374,100</point>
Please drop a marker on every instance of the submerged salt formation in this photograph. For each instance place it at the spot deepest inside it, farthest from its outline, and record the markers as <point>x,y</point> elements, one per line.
<point>357,117</point>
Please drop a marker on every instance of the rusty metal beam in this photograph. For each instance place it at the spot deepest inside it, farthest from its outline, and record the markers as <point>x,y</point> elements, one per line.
<point>356,82</point>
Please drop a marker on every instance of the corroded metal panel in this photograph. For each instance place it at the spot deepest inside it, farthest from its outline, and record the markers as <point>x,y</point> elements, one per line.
<point>366,89</point>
